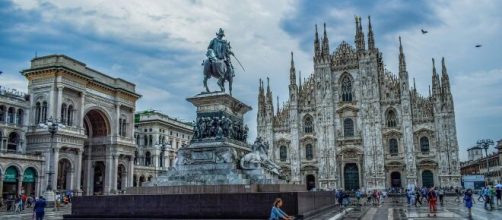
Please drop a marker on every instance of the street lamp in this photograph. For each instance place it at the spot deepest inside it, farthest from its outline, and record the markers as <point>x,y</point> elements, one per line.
<point>485,143</point>
<point>52,126</point>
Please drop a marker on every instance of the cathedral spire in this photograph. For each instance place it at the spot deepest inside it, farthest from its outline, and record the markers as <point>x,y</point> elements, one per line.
<point>402,61</point>
<point>445,81</point>
<point>371,39</point>
<point>300,78</point>
<point>436,85</point>
<point>325,43</point>
<point>317,47</point>
<point>292,71</point>
<point>277,105</point>
<point>359,35</point>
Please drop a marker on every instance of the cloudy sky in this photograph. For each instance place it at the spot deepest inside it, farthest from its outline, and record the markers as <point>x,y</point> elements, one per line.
<point>159,46</point>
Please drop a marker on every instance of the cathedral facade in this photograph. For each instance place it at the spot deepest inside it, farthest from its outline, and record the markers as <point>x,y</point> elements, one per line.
<point>352,124</point>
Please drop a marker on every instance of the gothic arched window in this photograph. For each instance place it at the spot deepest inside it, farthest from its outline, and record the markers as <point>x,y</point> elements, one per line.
<point>393,147</point>
<point>148,159</point>
<point>283,153</point>
<point>348,127</point>
<point>145,140</point>
<point>391,119</point>
<point>424,145</point>
<point>308,124</point>
<point>309,152</point>
<point>13,141</point>
<point>346,85</point>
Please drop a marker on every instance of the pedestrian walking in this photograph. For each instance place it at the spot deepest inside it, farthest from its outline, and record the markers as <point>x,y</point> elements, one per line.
<point>358,197</point>
<point>17,203</point>
<point>418,199</point>
<point>482,194</point>
<point>498,194</point>
<point>412,194</point>
<point>441,196</point>
<point>468,200</point>
<point>276,213</point>
<point>432,198</point>
<point>39,208</point>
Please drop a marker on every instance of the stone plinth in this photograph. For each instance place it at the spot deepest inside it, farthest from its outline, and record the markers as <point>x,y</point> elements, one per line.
<point>214,189</point>
<point>198,206</point>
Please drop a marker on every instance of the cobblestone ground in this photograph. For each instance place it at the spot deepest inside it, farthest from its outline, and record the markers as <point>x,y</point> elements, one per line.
<point>451,210</point>
<point>28,214</point>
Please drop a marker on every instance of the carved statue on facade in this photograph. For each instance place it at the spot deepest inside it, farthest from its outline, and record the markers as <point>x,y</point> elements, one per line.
<point>258,157</point>
<point>220,127</point>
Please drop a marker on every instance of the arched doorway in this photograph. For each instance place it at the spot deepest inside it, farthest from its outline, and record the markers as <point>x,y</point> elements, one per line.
<point>395,179</point>
<point>99,178</point>
<point>30,181</point>
<point>10,179</point>
<point>121,177</point>
<point>64,175</point>
<point>141,180</point>
<point>351,177</point>
<point>427,178</point>
<point>97,129</point>
<point>310,180</point>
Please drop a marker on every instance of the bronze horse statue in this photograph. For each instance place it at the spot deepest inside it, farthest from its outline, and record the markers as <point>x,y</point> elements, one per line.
<point>217,68</point>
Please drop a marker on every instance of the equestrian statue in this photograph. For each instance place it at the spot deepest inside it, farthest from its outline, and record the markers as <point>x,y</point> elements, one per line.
<point>218,63</point>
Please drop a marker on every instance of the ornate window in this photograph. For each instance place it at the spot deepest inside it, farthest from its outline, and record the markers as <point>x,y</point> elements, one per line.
<point>145,140</point>
<point>346,85</point>
<point>122,126</point>
<point>69,122</point>
<point>13,141</point>
<point>348,127</point>
<point>308,124</point>
<point>150,140</point>
<point>2,113</point>
<point>283,153</point>
<point>64,112</point>
<point>393,147</point>
<point>148,159</point>
<point>19,117</point>
<point>38,110</point>
<point>309,152</point>
<point>10,115</point>
<point>424,145</point>
<point>391,119</point>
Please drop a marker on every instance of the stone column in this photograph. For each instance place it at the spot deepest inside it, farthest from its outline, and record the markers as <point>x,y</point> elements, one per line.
<point>1,184</point>
<point>108,174</point>
<point>38,186</point>
<point>82,109</point>
<point>59,102</point>
<point>78,170</point>
<point>130,172</point>
<point>56,168</point>
<point>20,184</point>
<point>117,121</point>
<point>155,160</point>
<point>115,163</point>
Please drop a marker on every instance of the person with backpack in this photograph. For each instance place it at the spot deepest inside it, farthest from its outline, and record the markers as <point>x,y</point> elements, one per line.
<point>468,200</point>
<point>358,197</point>
<point>432,198</point>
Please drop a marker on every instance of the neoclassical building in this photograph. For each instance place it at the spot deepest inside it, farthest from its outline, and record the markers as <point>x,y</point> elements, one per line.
<point>19,170</point>
<point>158,138</point>
<point>93,149</point>
<point>353,124</point>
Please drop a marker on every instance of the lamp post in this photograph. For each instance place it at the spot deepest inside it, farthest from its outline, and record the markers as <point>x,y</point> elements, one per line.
<point>52,126</point>
<point>485,143</point>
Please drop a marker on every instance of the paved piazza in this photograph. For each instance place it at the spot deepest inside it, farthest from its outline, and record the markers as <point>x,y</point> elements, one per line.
<point>451,210</point>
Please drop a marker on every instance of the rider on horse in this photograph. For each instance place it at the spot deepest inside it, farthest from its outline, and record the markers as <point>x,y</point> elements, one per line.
<point>222,51</point>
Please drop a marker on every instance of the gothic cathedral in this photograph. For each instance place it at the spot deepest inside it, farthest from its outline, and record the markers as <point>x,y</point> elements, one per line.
<point>354,125</point>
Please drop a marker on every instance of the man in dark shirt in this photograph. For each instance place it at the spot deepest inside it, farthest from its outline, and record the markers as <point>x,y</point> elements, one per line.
<point>39,208</point>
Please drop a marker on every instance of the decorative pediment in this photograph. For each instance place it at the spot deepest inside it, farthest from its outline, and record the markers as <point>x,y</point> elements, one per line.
<point>392,132</point>
<point>309,167</point>
<point>424,130</point>
<point>347,107</point>
<point>308,137</point>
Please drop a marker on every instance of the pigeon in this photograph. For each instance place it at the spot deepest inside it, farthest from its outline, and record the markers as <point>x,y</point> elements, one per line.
<point>424,31</point>
<point>478,45</point>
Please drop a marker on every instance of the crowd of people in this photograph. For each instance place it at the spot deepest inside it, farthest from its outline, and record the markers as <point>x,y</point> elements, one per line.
<point>19,203</point>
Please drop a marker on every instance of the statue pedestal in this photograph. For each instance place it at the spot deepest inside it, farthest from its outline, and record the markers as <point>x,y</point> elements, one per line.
<point>215,151</point>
